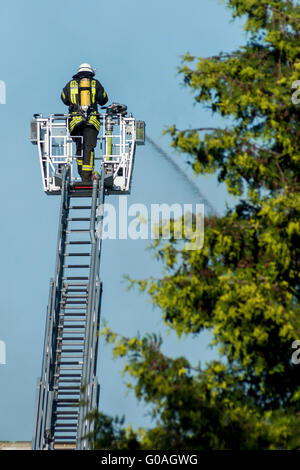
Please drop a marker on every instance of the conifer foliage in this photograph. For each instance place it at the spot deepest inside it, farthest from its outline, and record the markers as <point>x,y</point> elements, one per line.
<point>243,286</point>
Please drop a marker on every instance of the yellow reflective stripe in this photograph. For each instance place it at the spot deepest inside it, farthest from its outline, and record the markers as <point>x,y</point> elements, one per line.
<point>73,125</point>
<point>79,161</point>
<point>97,127</point>
<point>93,90</point>
<point>75,120</point>
<point>104,94</point>
<point>73,91</point>
<point>93,120</point>
<point>63,95</point>
<point>91,165</point>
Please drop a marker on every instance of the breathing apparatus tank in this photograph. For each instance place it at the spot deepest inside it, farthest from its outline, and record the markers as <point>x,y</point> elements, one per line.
<point>85,93</point>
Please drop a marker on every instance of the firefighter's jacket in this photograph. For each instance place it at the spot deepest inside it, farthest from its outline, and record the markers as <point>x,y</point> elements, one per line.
<point>70,97</point>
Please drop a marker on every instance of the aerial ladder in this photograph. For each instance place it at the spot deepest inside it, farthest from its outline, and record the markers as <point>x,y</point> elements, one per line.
<point>68,390</point>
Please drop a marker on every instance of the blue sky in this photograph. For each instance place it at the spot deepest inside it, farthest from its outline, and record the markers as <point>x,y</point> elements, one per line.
<point>136,48</point>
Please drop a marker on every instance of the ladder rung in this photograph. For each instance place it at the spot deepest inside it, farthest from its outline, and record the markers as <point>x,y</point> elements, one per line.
<point>70,363</point>
<point>67,285</point>
<point>80,207</point>
<point>66,400</point>
<point>66,340</point>
<point>77,254</point>
<point>78,230</point>
<point>76,296</point>
<point>69,387</point>
<point>73,314</point>
<point>71,338</point>
<point>71,383</point>
<point>67,427</point>
<point>79,242</point>
<point>63,360</point>
<point>75,326</point>
<point>81,316</point>
<point>71,350</point>
<point>78,219</point>
<point>67,301</point>
<point>66,381</point>
<point>71,266</point>
<point>80,306</point>
<point>69,378</point>
<point>82,292</point>
<point>75,278</point>
<point>66,415</point>
<point>71,357</point>
<point>66,367</point>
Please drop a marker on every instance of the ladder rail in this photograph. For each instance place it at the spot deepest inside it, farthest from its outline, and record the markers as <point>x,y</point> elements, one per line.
<point>41,399</point>
<point>89,381</point>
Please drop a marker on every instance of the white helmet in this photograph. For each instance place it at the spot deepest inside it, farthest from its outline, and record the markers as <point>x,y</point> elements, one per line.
<point>85,68</point>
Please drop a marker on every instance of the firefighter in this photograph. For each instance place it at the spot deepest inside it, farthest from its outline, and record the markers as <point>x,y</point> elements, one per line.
<point>83,94</point>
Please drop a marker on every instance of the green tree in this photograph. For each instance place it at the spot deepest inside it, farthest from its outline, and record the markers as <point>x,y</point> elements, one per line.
<point>243,286</point>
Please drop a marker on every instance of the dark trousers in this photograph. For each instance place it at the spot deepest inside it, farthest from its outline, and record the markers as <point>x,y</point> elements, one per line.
<point>85,150</point>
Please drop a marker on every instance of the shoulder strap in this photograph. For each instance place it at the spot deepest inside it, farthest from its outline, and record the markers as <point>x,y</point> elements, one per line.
<point>73,91</point>
<point>93,90</point>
